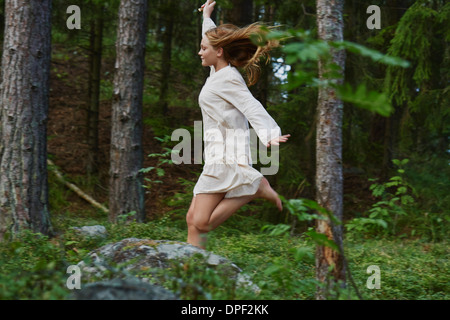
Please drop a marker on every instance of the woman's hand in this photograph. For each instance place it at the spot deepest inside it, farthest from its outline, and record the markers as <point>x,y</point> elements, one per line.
<point>276,141</point>
<point>208,8</point>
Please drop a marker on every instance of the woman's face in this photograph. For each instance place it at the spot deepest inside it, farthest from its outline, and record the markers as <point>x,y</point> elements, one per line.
<point>207,53</point>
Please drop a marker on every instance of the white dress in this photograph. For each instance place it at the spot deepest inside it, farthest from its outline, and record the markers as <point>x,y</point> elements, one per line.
<point>227,107</point>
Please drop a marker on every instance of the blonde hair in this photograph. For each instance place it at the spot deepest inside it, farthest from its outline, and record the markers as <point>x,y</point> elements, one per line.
<point>239,47</point>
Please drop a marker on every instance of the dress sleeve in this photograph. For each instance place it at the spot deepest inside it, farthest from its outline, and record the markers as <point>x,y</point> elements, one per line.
<point>236,92</point>
<point>207,25</point>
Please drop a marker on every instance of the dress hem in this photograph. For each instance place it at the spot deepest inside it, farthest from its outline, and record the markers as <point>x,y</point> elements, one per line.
<point>257,181</point>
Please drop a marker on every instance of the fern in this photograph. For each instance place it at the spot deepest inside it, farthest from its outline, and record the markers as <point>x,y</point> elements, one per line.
<point>384,213</point>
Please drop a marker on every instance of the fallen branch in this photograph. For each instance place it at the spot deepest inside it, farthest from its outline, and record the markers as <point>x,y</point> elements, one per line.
<point>74,188</point>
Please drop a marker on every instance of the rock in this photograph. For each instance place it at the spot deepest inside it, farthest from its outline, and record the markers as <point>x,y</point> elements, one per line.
<point>123,289</point>
<point>140,257</point>
<point>96,231</point>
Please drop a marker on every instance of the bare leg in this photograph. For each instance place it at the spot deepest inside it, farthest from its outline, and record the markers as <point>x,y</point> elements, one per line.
<point>190,222</point>
<point>265,191</point>
<point>208,211</point>
<point>228,206</point>
<point>198,217</point>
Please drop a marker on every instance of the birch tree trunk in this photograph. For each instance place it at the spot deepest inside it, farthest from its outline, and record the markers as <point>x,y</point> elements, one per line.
<point>23,117</point>
<point>126,190</point>
<point>329,180</point>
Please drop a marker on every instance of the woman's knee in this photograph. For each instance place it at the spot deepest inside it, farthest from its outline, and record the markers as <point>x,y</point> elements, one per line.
<point>190,213</point>
<point>200,211</point>
<point>194,220</point>
<point>189,218</point>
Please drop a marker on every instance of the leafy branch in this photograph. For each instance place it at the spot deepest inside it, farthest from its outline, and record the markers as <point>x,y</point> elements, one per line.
<point>304,51</point>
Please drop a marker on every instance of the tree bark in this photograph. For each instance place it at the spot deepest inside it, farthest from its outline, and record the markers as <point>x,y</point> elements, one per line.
<point>23,117</point>
<point>126,180</point>
<point>329,179</point>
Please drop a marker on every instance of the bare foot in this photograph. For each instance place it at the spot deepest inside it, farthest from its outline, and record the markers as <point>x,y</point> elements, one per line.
<point>265,191</point>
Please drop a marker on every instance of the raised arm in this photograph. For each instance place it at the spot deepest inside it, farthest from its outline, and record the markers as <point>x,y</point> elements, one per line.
<point>208,8</point>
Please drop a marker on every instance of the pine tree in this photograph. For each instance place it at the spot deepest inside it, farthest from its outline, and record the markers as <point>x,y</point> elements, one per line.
<point>23,117</point>
<point>126,181</point>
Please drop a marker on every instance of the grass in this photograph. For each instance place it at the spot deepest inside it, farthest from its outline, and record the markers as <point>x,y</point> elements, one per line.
<point>34,267</point>
<point>410,269</point>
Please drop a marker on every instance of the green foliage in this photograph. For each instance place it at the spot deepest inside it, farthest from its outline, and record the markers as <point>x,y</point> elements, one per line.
<point>303,210</point>
<point>413,40</point>
<point>32,268</point>
<point>321,239</point>
<point>396,196</point>
<point>430,176</point>
<point>194,279</point>
<point>372,54</point>
<point>304,52</point>
<point>162,160</point>
<point>410,269</point>
<point>181,201</point>
<point>366,99</point>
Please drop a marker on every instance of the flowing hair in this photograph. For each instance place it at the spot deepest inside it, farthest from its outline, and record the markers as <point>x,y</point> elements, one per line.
<point>243,47</point>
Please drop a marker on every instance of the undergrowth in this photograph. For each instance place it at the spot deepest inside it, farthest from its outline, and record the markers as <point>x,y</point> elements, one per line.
<point>278,258</point>
<point>34,267</point>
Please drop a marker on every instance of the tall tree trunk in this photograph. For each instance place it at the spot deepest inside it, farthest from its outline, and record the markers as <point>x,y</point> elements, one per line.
<point>95,63</point>
<point>329,180</point>
<point>23,117</point>
<point>126,190</point>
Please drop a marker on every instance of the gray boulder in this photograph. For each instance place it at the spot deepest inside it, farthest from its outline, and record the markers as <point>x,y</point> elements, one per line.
<point>140,257</point>
<point>97,231</point>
